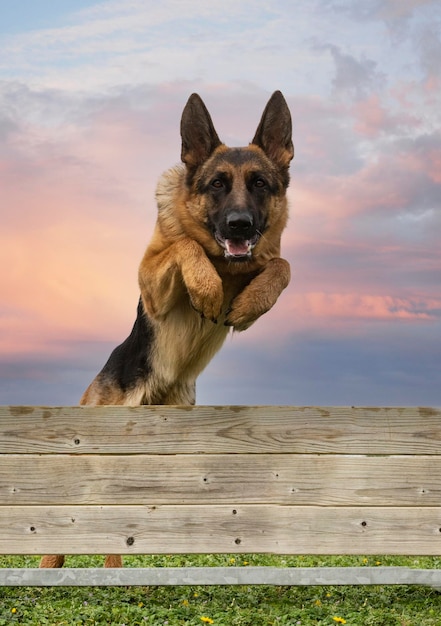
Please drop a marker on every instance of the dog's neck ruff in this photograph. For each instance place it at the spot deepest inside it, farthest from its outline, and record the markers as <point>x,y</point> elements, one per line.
<point>169,188</point>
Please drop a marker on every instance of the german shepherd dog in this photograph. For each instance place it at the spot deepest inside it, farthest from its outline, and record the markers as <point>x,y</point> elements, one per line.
<point>213,262</point>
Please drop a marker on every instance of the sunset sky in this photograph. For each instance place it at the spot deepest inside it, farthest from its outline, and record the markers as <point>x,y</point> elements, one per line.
<point>91,95</point>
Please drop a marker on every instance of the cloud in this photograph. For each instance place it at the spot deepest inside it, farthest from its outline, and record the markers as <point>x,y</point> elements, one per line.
<point>395,9</point>
<point>350,306</point>
<point>391,11</point>
<point>389,188</point>
<point>373,118</point>
<point>354,76</point>
<point>341,314</point>
<point>78,210</point>
<point>133,43</point>
<point>428,43</point>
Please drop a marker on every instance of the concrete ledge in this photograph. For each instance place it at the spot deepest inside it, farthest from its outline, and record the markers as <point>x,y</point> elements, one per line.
<point>297,576</point>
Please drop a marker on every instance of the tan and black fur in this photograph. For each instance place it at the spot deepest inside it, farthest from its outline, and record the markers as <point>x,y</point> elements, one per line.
<point>213,262</point>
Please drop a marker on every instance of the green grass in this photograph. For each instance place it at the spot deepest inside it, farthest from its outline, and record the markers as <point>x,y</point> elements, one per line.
<point>225,606</point>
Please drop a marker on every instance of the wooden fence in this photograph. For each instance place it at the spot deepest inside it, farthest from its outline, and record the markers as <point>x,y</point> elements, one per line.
<point>164,480</point>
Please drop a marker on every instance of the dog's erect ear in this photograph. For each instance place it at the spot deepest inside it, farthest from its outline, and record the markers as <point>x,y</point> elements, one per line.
<point>199,138</point>
<point>274,132</point>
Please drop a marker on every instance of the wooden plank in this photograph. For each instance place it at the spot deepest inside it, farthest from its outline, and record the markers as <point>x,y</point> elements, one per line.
<point>285,576</point>
<point>220,479</point>
<point>165,430</point>
<point>220,529</point>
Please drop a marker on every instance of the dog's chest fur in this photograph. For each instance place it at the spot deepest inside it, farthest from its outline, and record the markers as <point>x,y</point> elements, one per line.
<point>183,346</point>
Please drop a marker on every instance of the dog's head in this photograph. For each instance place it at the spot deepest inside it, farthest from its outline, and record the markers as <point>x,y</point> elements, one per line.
<point>242,188</point>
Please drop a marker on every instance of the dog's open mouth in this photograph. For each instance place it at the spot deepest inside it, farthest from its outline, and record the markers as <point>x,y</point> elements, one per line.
<point>237,249</point>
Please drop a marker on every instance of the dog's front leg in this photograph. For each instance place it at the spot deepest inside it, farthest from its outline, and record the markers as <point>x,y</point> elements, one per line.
<point>260,295</point>
<point>161,275</point>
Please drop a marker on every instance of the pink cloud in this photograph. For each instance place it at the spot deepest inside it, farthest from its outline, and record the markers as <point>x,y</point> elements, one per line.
<point>393,9</point>
<point>432,87</point>
<point>346,313</point>
<point>395,180</point>
<point>370,117</point>
<point>77,212</point>
<point>367,306</point>
<point>65,283</point>
<point>434,165</point>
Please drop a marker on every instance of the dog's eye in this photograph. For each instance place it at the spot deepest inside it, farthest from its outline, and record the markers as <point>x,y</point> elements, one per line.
<point>217,183</point>
<point>260,183</point>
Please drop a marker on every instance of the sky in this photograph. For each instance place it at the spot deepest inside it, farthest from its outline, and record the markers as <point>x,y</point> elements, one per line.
<point>91,95</point>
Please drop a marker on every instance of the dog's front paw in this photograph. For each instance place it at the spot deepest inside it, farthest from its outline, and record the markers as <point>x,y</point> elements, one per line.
<point>206,294</point>
<point>245,310</point>
<point>259,296</point>
<point>242,313</point>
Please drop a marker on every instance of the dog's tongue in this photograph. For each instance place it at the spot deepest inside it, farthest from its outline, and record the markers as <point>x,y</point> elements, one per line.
<point>237,247</point>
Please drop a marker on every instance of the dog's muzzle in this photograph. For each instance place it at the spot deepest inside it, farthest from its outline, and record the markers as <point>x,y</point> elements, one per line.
<point>238,235</point>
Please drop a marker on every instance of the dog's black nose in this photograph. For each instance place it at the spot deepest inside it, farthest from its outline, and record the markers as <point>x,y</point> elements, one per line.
<point>240,224</point>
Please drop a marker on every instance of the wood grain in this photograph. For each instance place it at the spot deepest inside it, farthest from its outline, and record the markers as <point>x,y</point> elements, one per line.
<point>337,480</point>
<point>287,480</point>
<point>220,529</point>
<point>221,430</point>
